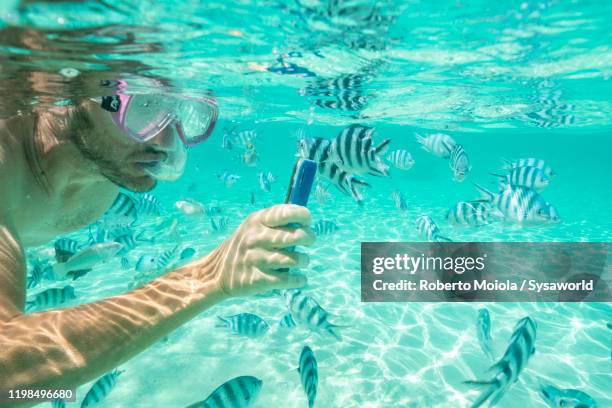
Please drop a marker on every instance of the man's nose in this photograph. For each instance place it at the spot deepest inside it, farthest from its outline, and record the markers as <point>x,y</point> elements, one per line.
<point>166,139</point>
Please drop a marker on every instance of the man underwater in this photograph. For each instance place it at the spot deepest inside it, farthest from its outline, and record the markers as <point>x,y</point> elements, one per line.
<point>60,169</point>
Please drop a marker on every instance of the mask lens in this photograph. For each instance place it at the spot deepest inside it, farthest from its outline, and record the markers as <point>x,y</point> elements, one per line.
<point>197,119</point>
<point>147,115</point>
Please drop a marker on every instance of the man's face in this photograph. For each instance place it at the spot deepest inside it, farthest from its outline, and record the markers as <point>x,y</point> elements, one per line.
<point>119,158</point>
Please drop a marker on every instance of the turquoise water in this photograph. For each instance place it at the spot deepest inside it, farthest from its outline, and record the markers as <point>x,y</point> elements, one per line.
<point>506,80</point>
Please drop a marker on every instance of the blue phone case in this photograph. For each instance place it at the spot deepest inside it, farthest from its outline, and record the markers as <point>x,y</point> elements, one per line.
<point>299,187</point>
<point>301,182</point>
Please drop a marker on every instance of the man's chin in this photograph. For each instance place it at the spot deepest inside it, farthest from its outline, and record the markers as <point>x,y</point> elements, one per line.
<point>141,184</point>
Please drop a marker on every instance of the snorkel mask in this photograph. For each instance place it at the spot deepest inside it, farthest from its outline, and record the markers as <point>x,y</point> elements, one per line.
<point>144,116</point>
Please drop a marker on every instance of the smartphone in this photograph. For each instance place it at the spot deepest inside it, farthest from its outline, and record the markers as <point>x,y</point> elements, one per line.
<point>301,181</point>
<point>300,185</point>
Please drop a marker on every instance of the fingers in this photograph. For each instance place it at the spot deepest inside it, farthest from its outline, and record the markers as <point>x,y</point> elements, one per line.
<point>284,214</point>
<point>283,237</point>
<point>285,280</point>
<point>283,260</point>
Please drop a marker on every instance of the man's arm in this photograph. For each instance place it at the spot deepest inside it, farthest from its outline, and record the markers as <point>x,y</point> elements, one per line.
<point>66,348</point>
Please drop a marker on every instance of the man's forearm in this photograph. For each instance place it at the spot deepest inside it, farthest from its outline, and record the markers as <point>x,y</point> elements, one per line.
<point>66,348</point>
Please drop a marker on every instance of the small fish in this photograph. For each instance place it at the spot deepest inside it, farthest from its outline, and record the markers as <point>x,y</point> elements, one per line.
<point>309,374</point>
<point>166,258</point>
<point>88,257</point>
<point>483,332</point>
<point>148,204</point>
<point>530,162</point>
<point>65,248</point>
<point>250,157</point>
<point>252,198</point>
<point>239,392</point>
<point>520,204</point>
<point>438,144</point>
<point>51,298</point>
<point>399,200</point>
<point>146,263</point>
<point>219,224</point>
<point>471,213</point>
<point>212,210</point>
<point>530,177</point>
<point>400,159</point>
<point>190,207</point>
<point>245,324</point>
<point>427,228</point>
<point>459,162</point>
<point>353,151</point>
<point>123,209</point>
<point>187,253</point>
<point>101,388</point>
<point>226,142</point>
<point>325,227</point>
<point>306,311</point>
<point>245,139</point>
<point>287,322</point>
<point>265,181</point>
<point>227,178</point>
<point>322,193</point>
<point>566,398</point>
<point>508,368</point>
<point>40,271</point>
<point>125,262</point>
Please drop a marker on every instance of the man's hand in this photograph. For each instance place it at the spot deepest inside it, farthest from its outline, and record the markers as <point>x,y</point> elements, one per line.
<point>248,262</point>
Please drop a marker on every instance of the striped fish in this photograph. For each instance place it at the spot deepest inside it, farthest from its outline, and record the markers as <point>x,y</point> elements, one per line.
<point>212,210</point>
<point>239,392</point>
<point>483,332</point>
<point>148,204</point>
<point>101,388</point>
<point>316,149</point>
<point>227,178</point>
<point>471,213</point>
<point>399,200</point>
<point>65,248</point>
<point>459,162</point>
<point>427,228</point>
<point>124,209</point>
<point>245,139</point>
<point>566,398</point>
<point>287,322</point>
<point>126,238</point>
<point>125,262</point>
<point>529,162</point>
<point>309,374</point>
<point>520,348</point>
<point>146,263</point>
<point>40,271</point>
<point>265,181</point>
<point>306,311</point>
<point>520,204</point>
<point>166,258</point>
<point>353,151</point>
<point>245,324</point>
<point>345,182</point>
<point>51,298</point>
<point>219,224</point>
<point>325,227</point>
<point>530,177</point>
<point>344,93</point>
<point>400,159</point>
<point>438,144</point>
